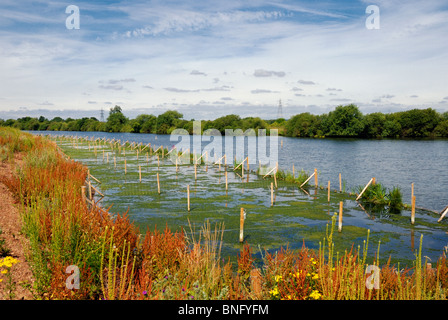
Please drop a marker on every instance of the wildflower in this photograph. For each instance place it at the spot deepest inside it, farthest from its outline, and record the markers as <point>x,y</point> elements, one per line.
<point>315,276</point>
<point>145,292</point>
<point>278,278</point>
<point>315,295</point>
<point>274,292</point>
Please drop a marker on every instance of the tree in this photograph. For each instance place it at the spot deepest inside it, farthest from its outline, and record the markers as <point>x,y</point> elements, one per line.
<point>345,121</point>
<point>146,123</point>
<point>116,120</point>
<point>374,125</point>
<point>303,125</point>
<point>417,123</point>
<point>167,120</point>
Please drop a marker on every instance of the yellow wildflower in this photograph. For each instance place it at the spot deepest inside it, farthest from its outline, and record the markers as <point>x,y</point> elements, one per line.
<point>278,278</point>
<point>274,292</point>
<point>315,295</point>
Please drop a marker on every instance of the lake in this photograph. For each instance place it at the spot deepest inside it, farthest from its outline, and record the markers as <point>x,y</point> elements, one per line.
<point>391,162</point>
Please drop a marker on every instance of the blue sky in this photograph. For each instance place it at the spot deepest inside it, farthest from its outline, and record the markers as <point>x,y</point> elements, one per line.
<point>211,58</point>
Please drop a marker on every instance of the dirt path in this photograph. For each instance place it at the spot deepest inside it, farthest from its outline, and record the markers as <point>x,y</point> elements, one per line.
<point>10,224</point>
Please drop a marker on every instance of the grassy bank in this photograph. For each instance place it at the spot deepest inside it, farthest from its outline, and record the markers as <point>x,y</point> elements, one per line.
<point>118,261</point>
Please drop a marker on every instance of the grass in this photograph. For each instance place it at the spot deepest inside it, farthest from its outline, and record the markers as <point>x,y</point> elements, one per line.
<point>117,261</point>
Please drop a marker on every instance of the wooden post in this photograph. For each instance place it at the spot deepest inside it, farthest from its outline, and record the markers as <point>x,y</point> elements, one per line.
<point>293,173</point>
<point>272,194</point>
<point>315,178</point>
<point>340,183</point>
<point>368,184</point>
<point>90,191</point>
<point>140,173</point>
<point>125,169</point>
<point>275,178</point>
<point>307,179</point>
<point>176,165</point>
<point>241,225</point>
<point>188,197</point>
<point>373,181</point>
<point>341,204</point>
<point>413,210</point>
<point>225,173</point>
<point>328,190</point>
<point>195,172</point>
<point>158,183</point>
<point>443,213</point>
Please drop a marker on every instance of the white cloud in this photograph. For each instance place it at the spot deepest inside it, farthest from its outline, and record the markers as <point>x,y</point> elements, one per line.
<point>171,44</point>
<point>306,82</point>
<point>267,73</point>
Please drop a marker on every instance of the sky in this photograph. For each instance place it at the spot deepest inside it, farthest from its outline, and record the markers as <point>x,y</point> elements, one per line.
<point>208,58</point>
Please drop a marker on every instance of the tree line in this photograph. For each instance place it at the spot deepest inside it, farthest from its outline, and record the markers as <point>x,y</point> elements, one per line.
<point>343,121</point>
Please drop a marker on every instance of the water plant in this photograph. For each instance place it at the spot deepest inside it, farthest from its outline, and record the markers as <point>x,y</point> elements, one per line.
<point>378,196</point>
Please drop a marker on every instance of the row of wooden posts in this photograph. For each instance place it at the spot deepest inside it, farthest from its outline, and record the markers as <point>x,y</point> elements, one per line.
<point>273,170</point>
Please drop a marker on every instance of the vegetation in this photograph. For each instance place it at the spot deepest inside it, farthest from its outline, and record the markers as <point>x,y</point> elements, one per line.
<point>343,121</point>
<point>117,262</point>
<point>377,196</point>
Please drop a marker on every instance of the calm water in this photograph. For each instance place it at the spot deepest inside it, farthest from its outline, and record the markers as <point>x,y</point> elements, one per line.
<point>392,162</point>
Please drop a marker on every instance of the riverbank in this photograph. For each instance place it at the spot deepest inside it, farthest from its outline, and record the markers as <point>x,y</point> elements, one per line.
<point>116,261</point>
<point>12,240</point>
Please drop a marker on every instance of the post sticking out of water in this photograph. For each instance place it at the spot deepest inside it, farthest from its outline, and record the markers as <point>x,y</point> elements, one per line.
<point>195,172</point>
<point>328,190</point>
<point>340,183</point>
<point>413,210</point>
<point>341,204</point>
<point>125,170</point>
<point>188,197</point>
<point>241,225</point>
<point>140,173</point>
<point>368,184</point>
<point>315,178</point>
<point>272,194</point>
<point>225,173</point>
<point>158,183</point>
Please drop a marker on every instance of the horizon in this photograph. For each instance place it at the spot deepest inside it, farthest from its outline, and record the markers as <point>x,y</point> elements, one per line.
<point>209,59</point>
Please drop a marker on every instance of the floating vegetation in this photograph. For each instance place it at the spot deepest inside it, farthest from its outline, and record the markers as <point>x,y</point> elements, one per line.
<point>379,197</point>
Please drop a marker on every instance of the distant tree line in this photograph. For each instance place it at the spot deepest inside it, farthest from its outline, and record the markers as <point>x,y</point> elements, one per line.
<point>343,121</point>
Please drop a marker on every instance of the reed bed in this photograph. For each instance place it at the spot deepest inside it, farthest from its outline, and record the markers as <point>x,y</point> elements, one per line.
<point>116,261</point>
